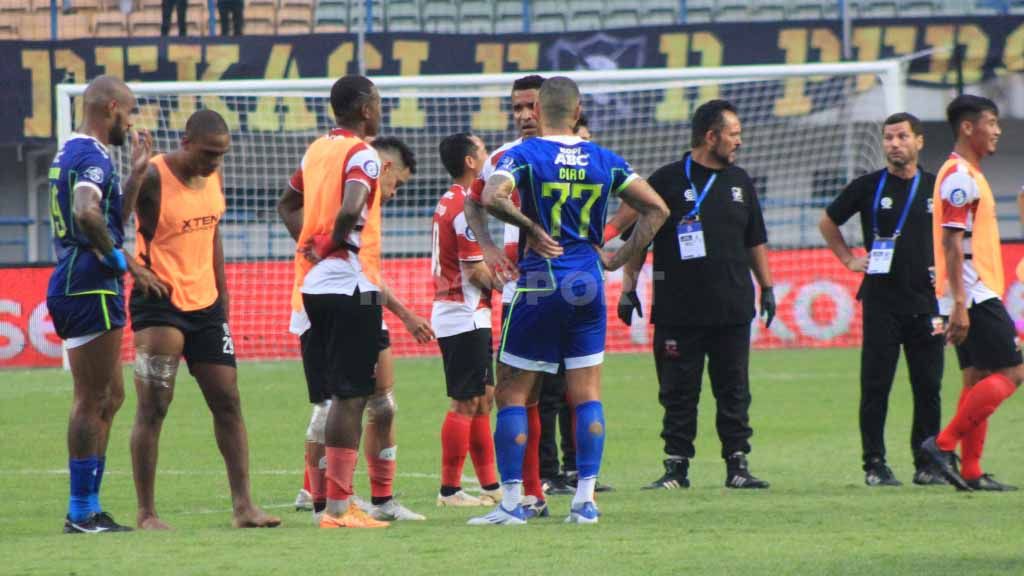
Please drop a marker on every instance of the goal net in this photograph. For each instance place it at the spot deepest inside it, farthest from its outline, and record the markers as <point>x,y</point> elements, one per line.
<point>806,131</point>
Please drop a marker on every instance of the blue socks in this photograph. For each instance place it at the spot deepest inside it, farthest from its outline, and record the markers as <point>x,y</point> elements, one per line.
<point>94,494</point>
<point>510,442</point>
<point>83,480</point>
<point>589,438</point>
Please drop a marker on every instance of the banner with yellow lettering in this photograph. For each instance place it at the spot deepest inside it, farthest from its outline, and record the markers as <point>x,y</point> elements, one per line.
<point>992,47</point>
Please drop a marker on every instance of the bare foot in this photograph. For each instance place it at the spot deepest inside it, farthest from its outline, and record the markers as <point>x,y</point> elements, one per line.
<point>255,518</point>
<point>152,523</point>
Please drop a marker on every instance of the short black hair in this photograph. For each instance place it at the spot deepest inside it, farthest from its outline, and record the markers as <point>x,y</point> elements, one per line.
<point>900,117</point>
<point>348,96</point>
<point>204,122</point>
<point>709,116</point>
<point>396,146</point>
<point>968,107</point>
<point>531,82</point>
<point>454,149</point>
<point>559,97</point>
<point>581,123</point>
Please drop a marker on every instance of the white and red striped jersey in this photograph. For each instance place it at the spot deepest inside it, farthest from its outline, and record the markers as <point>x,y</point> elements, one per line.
<point>511,236</point>
<point>459,305</point>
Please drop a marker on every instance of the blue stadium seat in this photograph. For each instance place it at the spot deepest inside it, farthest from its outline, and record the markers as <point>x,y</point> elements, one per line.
<point>805,11</point>
<point>403,15</point>
<point>659,12</point>
<point>919,8</point>
<point>878,9</point>
<point>549,16</point>
<point>584,15</point>
<point>508,16</point>
<point>622,18</point>
<point>335,13</point>
<point>440,16</point>
<point>699,11</point>
<point>770,12</point>
<point>732,11</point>
<point>476,17</point>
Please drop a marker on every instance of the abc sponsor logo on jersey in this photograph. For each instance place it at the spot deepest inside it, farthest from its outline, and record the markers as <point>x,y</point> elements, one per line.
<point>958,197</point>
<point>574,157</point>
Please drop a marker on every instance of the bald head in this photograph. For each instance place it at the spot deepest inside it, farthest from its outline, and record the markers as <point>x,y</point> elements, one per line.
<point>559,103</point>
<point>108,108</point>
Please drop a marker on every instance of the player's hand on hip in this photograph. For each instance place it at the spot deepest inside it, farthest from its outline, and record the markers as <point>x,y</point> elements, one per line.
<point>419,327</point>
<point>767,305</point>
<point>496,260</point>
<point>149,284</point>
<point>628,302</point>
<point>142,149</point>
<point>857,264</point>
<point>543,244</point>
<point>959,325</point>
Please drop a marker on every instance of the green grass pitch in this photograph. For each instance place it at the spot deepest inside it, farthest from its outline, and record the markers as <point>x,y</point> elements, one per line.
<point>818,517</point>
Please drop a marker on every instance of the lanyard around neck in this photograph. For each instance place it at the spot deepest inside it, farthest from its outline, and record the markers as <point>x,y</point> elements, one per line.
<point>906,208</point>
<point>700,199</point>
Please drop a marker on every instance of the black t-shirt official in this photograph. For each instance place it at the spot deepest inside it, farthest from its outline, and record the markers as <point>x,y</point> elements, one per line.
<point>716,289</point>
<point>907,288</point>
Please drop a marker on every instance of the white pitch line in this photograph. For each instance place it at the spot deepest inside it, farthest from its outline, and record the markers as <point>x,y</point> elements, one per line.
<point>297,472</point>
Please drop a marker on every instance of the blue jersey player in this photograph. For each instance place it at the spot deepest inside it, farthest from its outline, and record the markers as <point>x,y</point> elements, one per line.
<point>558,313</point>
<point>85,296</point>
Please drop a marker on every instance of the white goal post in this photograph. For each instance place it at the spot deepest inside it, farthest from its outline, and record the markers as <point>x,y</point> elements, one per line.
<point>807,129</point>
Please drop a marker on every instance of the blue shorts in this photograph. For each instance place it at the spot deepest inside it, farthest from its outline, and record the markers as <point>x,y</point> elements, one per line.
<point>75,316</point>
<point>563,321</point>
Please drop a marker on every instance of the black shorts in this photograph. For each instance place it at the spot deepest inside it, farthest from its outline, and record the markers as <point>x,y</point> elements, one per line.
<point>346,330</point>
<point>315,366</point>
<point>991,339</point>
<point>207,336</point>
<point>467,363</point>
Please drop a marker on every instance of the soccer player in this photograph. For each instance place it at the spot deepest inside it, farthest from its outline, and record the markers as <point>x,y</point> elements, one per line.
<point>462,321</point>
<point>181,204</point>
<point>85,296</point>
<point>969,284</point>
<point>524,96</point>
<point>397,164</point>
<point>558,312</point>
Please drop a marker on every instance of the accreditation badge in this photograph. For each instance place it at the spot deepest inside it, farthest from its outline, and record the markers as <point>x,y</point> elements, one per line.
<point>691,240</point>
<point>880,258</point>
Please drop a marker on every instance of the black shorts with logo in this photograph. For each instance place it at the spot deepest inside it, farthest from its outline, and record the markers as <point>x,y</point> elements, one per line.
<point>346,332</point>
<point>207,336</point>
<point>314,366</point>
<point>467,363</point>
<point>991,339</point>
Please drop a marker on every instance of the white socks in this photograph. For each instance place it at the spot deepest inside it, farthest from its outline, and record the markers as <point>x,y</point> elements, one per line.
<point>584,491</point>
<point>336,507</point>
<point>512,495</point>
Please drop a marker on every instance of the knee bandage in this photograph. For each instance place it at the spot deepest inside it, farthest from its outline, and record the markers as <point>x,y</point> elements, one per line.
<point>381,407</point>
<point>318,422</point>
<point>157,370</point>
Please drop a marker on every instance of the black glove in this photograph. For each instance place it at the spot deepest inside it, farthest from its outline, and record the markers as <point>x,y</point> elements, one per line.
<point>628,302</point>
<point>767,305</point>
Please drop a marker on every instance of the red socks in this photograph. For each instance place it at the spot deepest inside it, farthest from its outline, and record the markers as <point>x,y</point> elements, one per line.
<point>971,445</point>
<point>481,448</point>
<point>455,442</point>
<point>341,466</point>
<point>381,470</point>
<point>531,462</point>
<point>315,481</point>
<point>975,408</point>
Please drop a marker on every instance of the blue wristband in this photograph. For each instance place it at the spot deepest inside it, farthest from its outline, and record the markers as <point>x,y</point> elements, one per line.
<point>116,260</point>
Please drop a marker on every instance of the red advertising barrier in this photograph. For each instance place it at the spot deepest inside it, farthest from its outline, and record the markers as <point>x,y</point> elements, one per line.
<point>816,299</point>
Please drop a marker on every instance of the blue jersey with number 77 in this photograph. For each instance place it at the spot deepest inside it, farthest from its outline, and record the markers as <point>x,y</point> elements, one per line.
<point>564,183</point>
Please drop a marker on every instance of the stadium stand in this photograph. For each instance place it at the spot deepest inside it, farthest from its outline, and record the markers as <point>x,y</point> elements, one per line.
<point>30,19</point>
